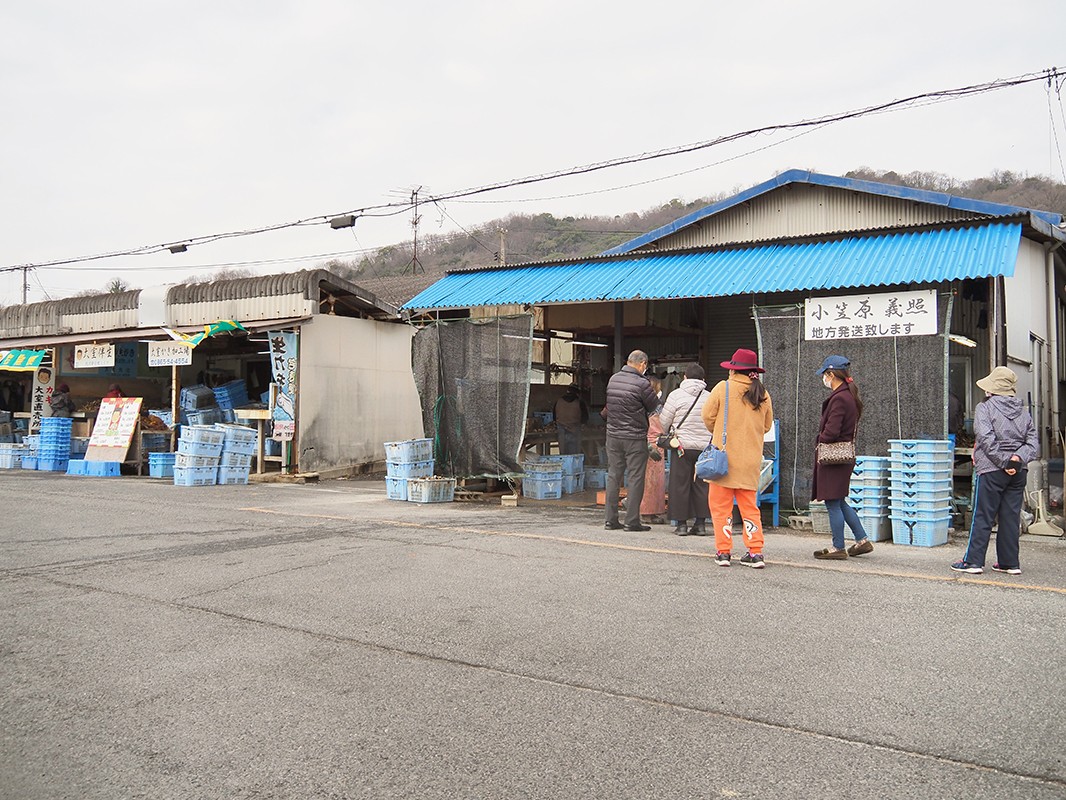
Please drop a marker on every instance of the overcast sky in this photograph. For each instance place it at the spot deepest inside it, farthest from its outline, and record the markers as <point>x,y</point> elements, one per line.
<point>139,122</point>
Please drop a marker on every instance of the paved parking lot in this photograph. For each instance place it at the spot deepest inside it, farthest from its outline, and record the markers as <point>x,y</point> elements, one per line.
<point>320,641</point>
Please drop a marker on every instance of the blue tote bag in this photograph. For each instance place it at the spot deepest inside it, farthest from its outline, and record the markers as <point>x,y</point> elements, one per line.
<point>712,463</point>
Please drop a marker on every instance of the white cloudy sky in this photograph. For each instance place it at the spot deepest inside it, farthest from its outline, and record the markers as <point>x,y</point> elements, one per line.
<point>137,122</point>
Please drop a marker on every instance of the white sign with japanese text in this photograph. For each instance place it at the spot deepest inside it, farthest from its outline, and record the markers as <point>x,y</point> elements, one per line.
<point>868,316</point>
<point>87,356</point>
<point>169,354</point>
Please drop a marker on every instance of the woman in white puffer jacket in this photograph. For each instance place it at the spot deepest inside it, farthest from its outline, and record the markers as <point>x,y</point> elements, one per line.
<point>688,495</point>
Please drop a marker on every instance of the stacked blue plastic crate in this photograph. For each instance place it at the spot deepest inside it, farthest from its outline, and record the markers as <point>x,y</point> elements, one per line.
<point>231,395</point>
<point>921,472</point>
<point>199,406</point>
<point>869,496</point>
<point>11,455</point>
<point>235,461</point>
<point>53,448</point>
<point>573,477</point>
<point>405,460</point>
<point>543,480</point>
<point>197,459</point>
<point>29,455</point>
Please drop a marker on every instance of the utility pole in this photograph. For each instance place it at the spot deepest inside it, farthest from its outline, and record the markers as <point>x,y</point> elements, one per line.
<point>415,265</point>
<point>25,284</point>
<point>503,246</point>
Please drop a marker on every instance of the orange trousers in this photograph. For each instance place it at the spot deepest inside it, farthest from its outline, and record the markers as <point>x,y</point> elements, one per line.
<point>720,500</point>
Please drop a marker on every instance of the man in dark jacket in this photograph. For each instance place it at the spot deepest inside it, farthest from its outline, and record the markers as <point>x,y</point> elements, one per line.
<point>629,401</point>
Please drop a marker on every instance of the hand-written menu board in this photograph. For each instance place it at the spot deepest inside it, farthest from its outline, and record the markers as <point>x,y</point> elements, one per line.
<point>115,425</point>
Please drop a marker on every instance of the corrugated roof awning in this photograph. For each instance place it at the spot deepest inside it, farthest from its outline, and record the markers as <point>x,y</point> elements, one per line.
<point>913,257</point>
<point>147,334</point>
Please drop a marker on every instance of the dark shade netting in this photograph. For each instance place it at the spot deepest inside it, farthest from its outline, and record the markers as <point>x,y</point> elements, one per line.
<point>473,380</point>
<point>901,380</point>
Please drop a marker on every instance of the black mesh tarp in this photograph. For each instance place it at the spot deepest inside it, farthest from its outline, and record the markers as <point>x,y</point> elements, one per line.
<point>473,380</point>
<point>901,381</point>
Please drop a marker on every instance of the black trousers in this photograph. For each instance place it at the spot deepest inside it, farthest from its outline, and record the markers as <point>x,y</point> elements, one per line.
<point>999,497</point>
<point>688,496</point>
<point>628,457</point>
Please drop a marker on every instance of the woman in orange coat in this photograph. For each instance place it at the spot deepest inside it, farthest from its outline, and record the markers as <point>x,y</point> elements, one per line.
<point>750,416</point>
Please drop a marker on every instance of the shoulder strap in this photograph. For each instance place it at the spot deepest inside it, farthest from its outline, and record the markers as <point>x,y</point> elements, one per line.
<point>698,396</point>
<point>725,421</point>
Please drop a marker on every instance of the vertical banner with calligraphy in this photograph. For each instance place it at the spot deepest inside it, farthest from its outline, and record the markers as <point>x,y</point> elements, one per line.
<point>283,362</point>
<point>44,383</point>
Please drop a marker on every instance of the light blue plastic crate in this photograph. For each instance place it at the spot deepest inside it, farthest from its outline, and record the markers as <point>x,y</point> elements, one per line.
<point>543,470</point>
<point>880,482</point>
<point>878,527</point>
<point>542,417</point>
<point>396,488</point>
<point>29,462</point>
<point>239,447</point>
<point>231,459</point>
<point>187,460</point>
<point>236,433</point>
<point>416,469</point>
<point>920,532</point>
<point>595,478</point>
<point>572,464</point>
<point>925,461</point>
<point>155,442</point>
<point>271,447</point>
<point>543,489</point>
<point>206,434</point>
<point>410,451</point>
<point>431,490</point>
<point>103,469</point>
<point>931,507</point>
<point>195,476</point>
<point>77,466</point>
<point>573,484</point>
<point>233,476</point>
<point>193,448</point>
<point>161,465</point>
<point>52,464</point>
<point>919,446</point>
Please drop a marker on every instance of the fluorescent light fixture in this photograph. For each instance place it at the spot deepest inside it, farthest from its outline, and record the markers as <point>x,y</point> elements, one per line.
<point>589,344</point>
<point>965,341</point>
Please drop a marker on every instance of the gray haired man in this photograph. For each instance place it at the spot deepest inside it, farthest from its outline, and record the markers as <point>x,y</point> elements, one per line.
<point>629,401</point>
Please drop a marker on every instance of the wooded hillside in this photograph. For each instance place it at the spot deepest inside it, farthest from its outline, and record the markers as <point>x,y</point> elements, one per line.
<point>543,236</point>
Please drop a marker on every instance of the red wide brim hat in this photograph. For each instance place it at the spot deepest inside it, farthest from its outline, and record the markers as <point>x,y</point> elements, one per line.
<point>744,361</point>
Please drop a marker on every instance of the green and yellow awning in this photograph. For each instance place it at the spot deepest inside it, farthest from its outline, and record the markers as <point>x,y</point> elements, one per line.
<point>22,360</point>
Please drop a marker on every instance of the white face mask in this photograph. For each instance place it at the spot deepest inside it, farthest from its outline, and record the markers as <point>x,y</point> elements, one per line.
<point>827,381</point>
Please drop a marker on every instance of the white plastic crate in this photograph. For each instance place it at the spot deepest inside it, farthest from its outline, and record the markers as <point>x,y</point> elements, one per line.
<point>233,476</point>
<point>413,469</point>
<point>10,461</point>
<point>396,488</point>
<point>205,434</point>
<point>431,490</point>
<point>195,476</point>
<point>572,464</point>
<point>199,448</point>
<point>543,470</point>
<point>231,459</point>
<point>241,447</point>
<point>188,460</point>
<point>412,450</point>
<point>237,433</point>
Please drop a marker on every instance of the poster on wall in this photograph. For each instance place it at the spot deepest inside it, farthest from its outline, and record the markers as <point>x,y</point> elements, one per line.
<point>283,362</point>
<point>116,422</point>
<point>94,356</point>
<point>44,383</point>
<point>869,316</point>
<point>169,354</point>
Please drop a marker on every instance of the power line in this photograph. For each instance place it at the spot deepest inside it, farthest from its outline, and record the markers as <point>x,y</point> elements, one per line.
<point>391,209</point>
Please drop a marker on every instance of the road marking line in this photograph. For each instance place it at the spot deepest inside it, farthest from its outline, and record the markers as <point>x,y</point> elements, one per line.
<point>670,552</point>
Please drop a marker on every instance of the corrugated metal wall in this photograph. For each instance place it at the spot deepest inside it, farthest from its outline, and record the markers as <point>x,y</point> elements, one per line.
<point>247,308</point>
<point>803,210</point>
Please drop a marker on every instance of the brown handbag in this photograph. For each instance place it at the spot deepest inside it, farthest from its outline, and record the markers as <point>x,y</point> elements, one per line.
<point>830,453</point>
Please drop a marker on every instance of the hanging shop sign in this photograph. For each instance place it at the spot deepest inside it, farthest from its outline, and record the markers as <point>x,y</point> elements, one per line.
<point>283,362</point>
<point>116,422</point>
<point>44,383</point>
<point>94,355</point>
<point>870,316</point>
<point>169,354</point>
<point>22,360</point>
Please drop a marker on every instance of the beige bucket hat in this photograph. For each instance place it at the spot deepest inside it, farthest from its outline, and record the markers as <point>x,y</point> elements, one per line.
<point>1001,381</point>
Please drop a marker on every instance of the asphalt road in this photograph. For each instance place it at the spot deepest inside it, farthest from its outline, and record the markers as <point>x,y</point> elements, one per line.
<point>321,641</point>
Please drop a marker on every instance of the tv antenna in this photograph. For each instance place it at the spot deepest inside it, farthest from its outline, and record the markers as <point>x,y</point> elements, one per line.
<point>415,266</point>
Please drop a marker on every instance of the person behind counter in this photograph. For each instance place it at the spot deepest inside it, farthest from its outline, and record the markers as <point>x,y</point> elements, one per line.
<point>60,402</point>
<point>570,414</point>
<point>114,390</point>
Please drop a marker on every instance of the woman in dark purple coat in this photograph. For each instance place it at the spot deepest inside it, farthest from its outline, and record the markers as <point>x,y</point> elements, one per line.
<point>840,416</point>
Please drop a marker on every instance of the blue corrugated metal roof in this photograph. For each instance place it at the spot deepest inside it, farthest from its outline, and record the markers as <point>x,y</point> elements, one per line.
<point>817,179</point>
<point>918,257</point>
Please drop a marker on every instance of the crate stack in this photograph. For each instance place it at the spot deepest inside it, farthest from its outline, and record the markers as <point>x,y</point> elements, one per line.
<point>573,477</point>
<point>199,451</point>
<point>433,489</point>
<point>229,396</point>
<point>161,465</point>
<point>199,406</point>
<point>543,480</point>
<point>921,477</point>
<point>869,496</point>
<point>235,461</point>
<point>53,447</point>
<point>405,461</point>
<point>11,455</point>
<point>29,455</point>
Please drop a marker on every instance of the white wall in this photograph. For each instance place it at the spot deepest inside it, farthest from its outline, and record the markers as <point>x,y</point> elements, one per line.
<point>1026,311</point>
<point>356,391</point>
